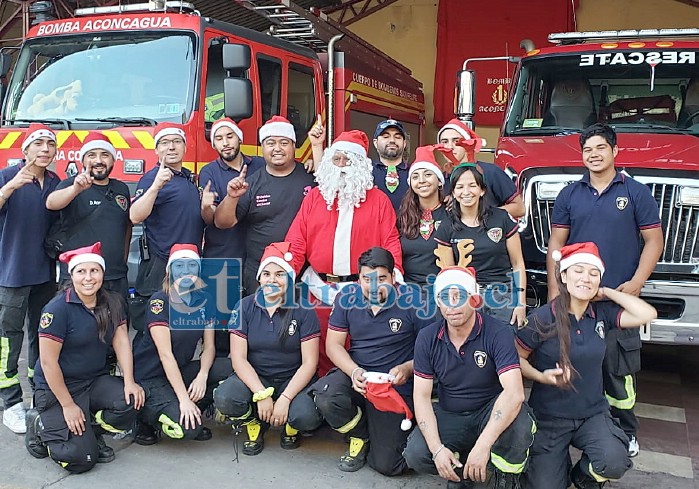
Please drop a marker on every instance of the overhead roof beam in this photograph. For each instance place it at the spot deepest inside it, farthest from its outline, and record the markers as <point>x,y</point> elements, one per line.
<point>350,11</point>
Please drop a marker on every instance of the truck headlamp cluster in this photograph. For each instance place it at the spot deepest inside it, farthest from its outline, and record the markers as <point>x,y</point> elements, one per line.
<point>133,167</point>
<point>688,196</point>
<point>549,191</point>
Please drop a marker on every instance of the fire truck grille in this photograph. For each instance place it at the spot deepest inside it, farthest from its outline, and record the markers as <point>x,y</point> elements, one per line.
<point>680,222</point>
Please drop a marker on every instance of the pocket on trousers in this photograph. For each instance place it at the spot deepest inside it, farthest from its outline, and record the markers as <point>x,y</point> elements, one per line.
<point>11,297</point>
<point>629,359</point>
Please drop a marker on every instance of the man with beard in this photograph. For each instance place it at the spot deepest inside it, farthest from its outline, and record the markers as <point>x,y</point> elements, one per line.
<point>391,171</point>
<point>339,220</point>
<point>26,272</point>
<point>94,207</point>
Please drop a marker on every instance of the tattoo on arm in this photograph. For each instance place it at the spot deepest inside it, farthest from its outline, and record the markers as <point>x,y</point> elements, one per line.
<point>422,425</point>
<point>497,415</point>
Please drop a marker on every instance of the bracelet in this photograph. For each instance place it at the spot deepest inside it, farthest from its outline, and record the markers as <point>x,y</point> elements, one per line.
<point>353,372</point>
<point>436,452</point>
<point>284,395</point>
<point>263,394</point>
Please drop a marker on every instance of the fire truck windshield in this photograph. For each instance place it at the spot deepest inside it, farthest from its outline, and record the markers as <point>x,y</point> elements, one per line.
<point>634,90</point>
<point>107,79</point>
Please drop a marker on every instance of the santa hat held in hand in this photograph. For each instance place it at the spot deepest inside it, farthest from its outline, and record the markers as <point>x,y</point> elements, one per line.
<point>168,129</point>
<point>579,253</point>
<point>97,141</point>
<point>425,159</point>
<point>37,131</point>
<point>385,398</point>
<point>471,141</point>
<point>225,122</point>
<point>353,141</point>
<point>182,251</point>
<point>86,254</point>
<point>277,126</point>
<point>279,254</point>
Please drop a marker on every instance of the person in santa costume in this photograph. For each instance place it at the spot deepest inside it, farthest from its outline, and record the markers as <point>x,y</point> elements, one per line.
<point>561,349</point>
<point>341,218</point>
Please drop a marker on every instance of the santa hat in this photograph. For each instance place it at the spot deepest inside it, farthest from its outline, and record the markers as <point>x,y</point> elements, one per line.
<point>277,126</point>
<point>86,254</point>
<point>168,129</point>
<point>425,159</point>
<point>353,141</point>
<point>385,398</point>
<point>97,141</point>
<point>462,128</point>
<point>226,122</point>
<point>279,254</point>
<point>579,253</point>
<point>37,131</point>
<point>180,251</point>
<point>464,278</point>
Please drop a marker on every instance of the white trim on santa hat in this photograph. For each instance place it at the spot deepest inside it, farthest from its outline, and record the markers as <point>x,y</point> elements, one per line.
<point>455,277</point>
<point>348,146</point>
<point>97,144</point>
<point>182,254</point>
<point>426,165</point>
<point>85,258</point>
<point>282,262</point>
<point>38,134</point>
<point>169,131</point>
<point>460,129</point>
<point>576,258</point>
<point>277,129</point>
<point>225,123</point>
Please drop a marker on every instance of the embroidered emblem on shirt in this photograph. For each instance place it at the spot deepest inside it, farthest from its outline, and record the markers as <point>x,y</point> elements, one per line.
<point>46,320</point>
<point>138,192</point>
<point>293,326</point>
<point>306,189</point>
<point>395,324</point>
<point>121,202</point>
<point>599,329</point>
<point>157,306</point>
<point>621,203</point>
<point>495,234</point>
<point>233,322</point>
<point>481,358</point>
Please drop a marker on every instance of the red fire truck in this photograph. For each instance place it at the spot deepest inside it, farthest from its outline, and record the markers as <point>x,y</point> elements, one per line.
<point>646,85</point>
<point>120,70</point>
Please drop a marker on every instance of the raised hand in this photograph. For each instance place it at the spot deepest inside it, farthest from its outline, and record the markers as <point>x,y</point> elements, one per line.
<point>208,197</point>
<point>238,186</point>
<point>83,181</point>
<point>163,176</point>
<point>317,132</point>
<point>23,177</point>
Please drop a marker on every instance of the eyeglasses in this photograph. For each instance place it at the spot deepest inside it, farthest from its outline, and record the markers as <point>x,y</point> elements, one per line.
<point>165,143</point>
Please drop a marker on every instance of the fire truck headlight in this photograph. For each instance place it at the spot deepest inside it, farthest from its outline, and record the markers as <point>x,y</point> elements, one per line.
<point>14,161</point>
<point>688,196</point>
<point>549,191</point>
<point>133,167</point>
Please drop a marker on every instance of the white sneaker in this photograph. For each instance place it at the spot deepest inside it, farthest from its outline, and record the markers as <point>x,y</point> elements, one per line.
<point>633,447</point>
<point>14,418</point>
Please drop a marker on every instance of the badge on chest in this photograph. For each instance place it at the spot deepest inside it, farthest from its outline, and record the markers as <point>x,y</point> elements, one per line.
<point>395,324</point>
<point>293,326</point>
<point>599,329</point>
<point>481,358</point>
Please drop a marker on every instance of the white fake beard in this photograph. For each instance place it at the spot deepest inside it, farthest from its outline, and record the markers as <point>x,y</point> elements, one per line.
<point>349,184</point>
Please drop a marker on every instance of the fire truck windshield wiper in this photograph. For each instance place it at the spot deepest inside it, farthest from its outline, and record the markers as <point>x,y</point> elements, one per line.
<point>63,122</point>
<point>127,121</point>
<point>645,126</point>
<point>547,130</point>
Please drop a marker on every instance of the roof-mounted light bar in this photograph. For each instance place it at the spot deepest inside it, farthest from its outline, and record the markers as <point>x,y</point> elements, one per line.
<point>578,37</point>
<point>174,6</point>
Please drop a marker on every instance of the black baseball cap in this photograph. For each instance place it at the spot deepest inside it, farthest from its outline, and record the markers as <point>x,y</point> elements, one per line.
<point>383,125</point>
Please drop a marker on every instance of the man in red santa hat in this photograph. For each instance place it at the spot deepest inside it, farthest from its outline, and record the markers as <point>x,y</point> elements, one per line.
<point>339,220</point>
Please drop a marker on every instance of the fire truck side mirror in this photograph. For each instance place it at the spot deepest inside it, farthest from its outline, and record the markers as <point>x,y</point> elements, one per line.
<point>236,57</point>
<point>237,100</point>
<point>465,97</point>
<point>5,64</point>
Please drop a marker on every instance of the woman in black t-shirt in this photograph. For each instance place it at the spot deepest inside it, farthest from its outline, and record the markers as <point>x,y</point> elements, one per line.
<point>485,238</point>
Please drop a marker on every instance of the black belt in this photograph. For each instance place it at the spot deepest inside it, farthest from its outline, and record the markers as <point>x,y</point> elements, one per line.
<point>336,279</point>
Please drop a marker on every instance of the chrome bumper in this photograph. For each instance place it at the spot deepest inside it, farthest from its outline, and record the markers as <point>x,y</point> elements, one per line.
<point>683,330</point>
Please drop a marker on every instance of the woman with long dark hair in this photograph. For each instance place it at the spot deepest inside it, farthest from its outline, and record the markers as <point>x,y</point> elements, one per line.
<point>178,388</point>
<point>421,213</point>
<point>76,400</point>
<point>485,238</point>
<point>561,349</point>
<point>274,351</point>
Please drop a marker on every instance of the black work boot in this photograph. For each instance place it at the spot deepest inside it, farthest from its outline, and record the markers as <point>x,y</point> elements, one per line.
<point>31,438</point>
<point>505,480</point>
<point>146,435</point>
<point>204,435</point>
<point>105,452</point>
<point>583,481</point>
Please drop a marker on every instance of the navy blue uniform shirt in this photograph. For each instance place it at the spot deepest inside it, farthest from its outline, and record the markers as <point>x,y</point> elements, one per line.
<point>612,220</point>
<point>419,260</point>
<point>587,349</point>
<point>377,342</point>
<point>24,222</point>
<point>274,343</point>
<point>501,190</point>
<point>183,340</point>
<point>83,355</point>
<point>379,173</point>
<point>176,215</point>
<point>467,379</point>
<point>225,243</point>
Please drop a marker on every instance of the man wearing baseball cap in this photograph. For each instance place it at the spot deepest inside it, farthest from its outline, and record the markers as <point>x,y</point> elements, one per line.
<point>94,207</point>
<point>26,272</point>
<point>390,170</point>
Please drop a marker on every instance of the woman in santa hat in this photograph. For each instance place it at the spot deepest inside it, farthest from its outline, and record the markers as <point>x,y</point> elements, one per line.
<point>178,389</point>
<point>274,349</point>
<point>76,400</point>
<point>561,349</point>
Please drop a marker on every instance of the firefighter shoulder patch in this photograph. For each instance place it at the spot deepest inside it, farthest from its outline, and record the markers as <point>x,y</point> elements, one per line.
<point>157,306</point>
<point>481,358</point>
<point>46,320</point>
<point>495,234</point>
